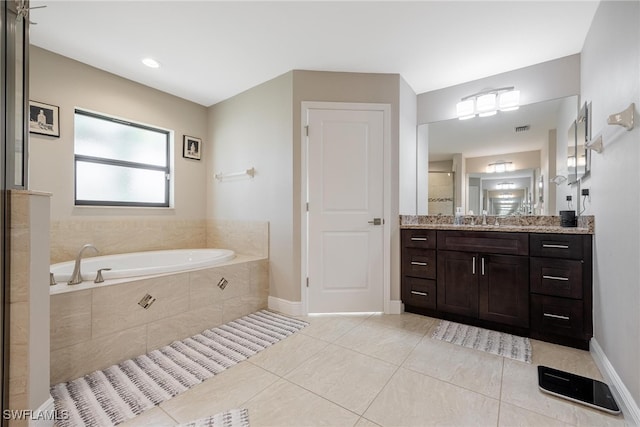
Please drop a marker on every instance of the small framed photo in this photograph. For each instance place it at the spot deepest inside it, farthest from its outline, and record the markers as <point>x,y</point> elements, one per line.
<point>191,147</point>
<point>43,119</point>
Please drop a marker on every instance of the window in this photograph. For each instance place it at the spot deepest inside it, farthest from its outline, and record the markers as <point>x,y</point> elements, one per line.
<point>119,163</point>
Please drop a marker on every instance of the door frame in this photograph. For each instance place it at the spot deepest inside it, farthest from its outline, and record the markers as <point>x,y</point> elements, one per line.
<point>386,192</point>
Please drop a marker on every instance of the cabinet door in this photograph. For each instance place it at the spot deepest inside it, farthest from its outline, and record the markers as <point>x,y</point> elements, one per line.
<point>457,283</point>
<point>504,289</point>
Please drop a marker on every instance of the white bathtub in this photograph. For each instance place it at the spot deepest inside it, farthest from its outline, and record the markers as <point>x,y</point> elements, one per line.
<point>143,263</point>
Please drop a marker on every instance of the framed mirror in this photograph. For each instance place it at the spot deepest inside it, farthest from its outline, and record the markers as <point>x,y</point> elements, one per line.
<point>509,193</point>
<point>583,134</point>
<point>572,150</point>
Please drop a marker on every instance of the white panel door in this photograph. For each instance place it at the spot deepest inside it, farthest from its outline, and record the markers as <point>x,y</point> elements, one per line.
<point>345,193</point>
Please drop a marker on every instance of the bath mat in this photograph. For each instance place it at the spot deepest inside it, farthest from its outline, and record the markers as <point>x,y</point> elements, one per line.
<point>122,391</point>
<point>507,345</point>
<point>232,418</point>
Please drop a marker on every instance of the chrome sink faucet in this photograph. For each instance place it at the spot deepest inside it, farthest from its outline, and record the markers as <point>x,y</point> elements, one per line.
<point>76,276</point>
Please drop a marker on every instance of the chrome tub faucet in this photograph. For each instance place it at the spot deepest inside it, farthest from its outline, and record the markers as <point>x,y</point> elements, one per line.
<point>76,276</point>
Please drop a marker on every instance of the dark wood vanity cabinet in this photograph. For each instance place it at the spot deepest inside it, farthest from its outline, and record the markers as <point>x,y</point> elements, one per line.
<point>561,290</point>
<point>491,284</point>
<point>537,285</point>
<point>419,268</point>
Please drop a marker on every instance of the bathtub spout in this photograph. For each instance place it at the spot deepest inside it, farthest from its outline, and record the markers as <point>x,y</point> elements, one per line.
<point>76,276</point>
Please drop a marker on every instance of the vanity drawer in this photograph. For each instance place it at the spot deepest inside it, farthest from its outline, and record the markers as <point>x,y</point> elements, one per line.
<point>416,238</point>
<point>419,292</point>
<point>567,246</point>
<point>419,263</point>
<point>557,316</point>
<point>488,242</point>
<point>556,277</point>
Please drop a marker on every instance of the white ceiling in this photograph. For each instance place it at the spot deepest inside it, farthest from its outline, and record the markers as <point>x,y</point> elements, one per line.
<point>212,50</point>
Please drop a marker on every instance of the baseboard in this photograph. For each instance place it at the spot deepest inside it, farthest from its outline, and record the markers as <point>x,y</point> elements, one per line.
<point>44,416</point>
<point>290,308</point>
<point>395,307</point>
<point>621,393</point>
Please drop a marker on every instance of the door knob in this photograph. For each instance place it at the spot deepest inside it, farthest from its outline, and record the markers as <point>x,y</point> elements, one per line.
<point>376,221</point>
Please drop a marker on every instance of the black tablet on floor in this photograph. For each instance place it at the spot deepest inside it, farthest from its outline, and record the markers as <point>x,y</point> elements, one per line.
<point>586,391</point>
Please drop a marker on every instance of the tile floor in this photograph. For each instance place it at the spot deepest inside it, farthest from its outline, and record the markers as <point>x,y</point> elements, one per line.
<point>384,370</point>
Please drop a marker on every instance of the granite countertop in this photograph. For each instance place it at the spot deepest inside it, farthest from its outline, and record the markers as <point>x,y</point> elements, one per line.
<point>518,224</point>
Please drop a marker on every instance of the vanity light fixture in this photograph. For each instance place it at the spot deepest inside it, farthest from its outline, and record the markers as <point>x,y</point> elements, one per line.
<point>488,102</point>
<point>151,63</point>
<point>505,186</point>
<point>499,167</point>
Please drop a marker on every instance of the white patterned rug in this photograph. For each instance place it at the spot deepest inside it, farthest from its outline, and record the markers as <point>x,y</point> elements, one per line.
<point>122,391</point>
<point>231,418</point>
<point>507,345</point>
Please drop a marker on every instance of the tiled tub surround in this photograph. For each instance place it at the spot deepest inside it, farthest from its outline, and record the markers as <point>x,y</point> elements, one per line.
<point>117,236</point>
<point>515,223</point>
<point>95,328</point>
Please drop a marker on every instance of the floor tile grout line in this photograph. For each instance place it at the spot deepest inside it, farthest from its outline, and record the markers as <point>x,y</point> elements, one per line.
<point>297,366</point>
<point>322,397</point>
<point>449,383</point>
<point>500,394</point>
<point>167,414</point>
<point>381,389</point>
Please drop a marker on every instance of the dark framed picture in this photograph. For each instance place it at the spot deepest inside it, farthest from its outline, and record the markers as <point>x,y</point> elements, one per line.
<point>191,147</point>
<point>43,119</point>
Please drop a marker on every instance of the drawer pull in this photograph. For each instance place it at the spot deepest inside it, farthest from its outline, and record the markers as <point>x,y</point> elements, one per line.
<point>564,279</point>
<point>418,239</point>
<point>422,294</point>
<point>423,264</point>
<point>555,316</point>
<point>473,266</point>
<point>546,245</point>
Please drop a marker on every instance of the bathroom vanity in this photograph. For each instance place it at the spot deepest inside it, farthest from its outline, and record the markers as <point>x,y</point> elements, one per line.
<point>532,280</point>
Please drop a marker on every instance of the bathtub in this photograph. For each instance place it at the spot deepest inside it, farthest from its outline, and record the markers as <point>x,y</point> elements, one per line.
<point>143,263</point>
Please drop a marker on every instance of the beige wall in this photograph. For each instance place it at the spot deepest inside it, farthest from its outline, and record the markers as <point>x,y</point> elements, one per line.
<point>68,84</point>
<point>541,82</point>
<point>253,129</point>
<point>347,87</point>
<point>261,128</point>
<point>610,66</point>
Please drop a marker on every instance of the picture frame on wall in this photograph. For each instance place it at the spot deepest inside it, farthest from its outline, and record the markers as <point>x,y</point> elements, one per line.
<point>44,119</point>
<point>191,147</point>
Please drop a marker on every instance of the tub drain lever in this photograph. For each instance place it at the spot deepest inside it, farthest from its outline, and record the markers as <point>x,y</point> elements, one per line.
<point>99,278</point>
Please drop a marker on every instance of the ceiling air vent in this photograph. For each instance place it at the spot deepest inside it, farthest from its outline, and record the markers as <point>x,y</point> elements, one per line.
<point>522,128</point>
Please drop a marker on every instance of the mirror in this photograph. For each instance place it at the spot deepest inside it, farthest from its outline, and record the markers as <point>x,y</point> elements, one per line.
<point>578,157</point>
<point>583,134</point>
<point>572,150</point>
<point>510,193</point>
<point>528,139</point>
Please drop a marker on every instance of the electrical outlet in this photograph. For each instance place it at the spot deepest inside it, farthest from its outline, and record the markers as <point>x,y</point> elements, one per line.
<point>585,191</point>
<point>569,198</point>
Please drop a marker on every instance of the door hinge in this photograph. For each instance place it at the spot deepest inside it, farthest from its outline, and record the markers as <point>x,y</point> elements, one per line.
<point>307,282</point>
<point>306,130</point>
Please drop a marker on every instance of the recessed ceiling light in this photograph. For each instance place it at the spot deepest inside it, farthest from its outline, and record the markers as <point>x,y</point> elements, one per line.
<point>151,63</point>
